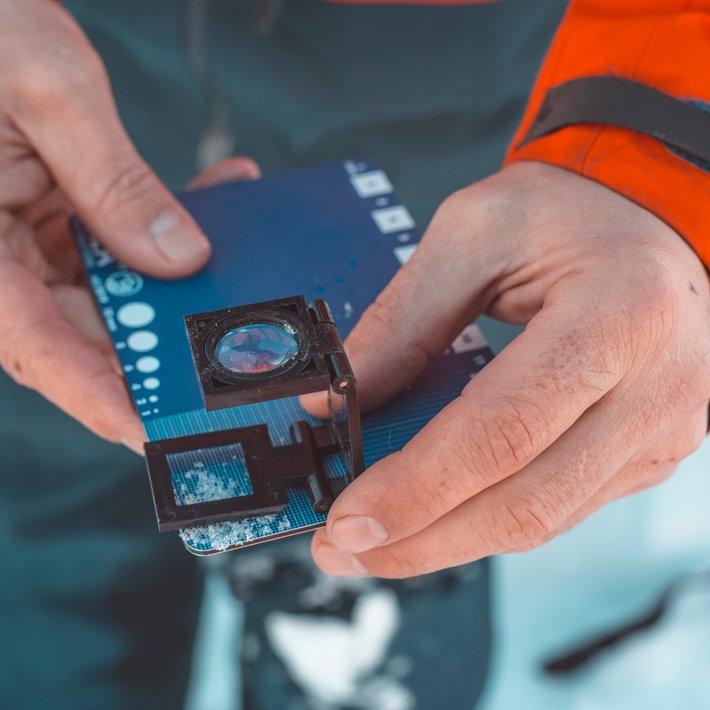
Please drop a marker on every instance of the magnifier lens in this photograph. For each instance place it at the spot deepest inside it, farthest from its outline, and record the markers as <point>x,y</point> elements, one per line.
<point>256,348</point>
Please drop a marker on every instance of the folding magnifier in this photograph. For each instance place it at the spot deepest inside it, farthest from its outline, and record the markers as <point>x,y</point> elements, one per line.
<point>256,353</point>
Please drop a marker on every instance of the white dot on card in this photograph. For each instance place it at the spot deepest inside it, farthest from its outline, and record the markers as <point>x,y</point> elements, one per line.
<point>151,383</point>
<point>142,340</point>
<point>153,398</point>
<point>147,363</point>
<point>135,315</point>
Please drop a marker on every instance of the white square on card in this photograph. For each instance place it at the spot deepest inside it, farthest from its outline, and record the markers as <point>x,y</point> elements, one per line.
<point>393,219</point>
<point>469,339</point>
<point>371,184</point>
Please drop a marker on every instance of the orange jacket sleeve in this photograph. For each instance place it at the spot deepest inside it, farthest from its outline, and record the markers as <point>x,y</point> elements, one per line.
<point>662,43</point>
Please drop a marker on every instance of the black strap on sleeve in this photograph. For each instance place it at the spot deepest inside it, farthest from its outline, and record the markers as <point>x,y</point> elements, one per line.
<point>626,104</point>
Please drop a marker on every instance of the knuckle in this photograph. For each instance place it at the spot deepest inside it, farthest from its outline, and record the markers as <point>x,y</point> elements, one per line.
<point>656,303</point>
<point>480,197</point>
<point>128,183</point>
<point>457,202</point>
<point>463,215</point>
<point>522,521</point>
<point>501,442</point>
<point>460,208</point>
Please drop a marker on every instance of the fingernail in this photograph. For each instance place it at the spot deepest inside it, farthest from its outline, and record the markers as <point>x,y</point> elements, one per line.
<point>336,562</point>
<point>357,533</point>
<point>175,239</point>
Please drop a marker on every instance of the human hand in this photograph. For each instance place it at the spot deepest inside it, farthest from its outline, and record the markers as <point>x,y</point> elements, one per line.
<point>63,150</point>
<point>602,395</point>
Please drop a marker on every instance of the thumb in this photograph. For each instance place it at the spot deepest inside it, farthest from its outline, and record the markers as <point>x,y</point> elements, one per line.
<point>420,312</point>
<point>74,127</point>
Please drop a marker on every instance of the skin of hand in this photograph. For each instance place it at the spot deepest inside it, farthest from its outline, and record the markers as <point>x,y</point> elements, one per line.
<point>63,150</point>
<point>602,395</point>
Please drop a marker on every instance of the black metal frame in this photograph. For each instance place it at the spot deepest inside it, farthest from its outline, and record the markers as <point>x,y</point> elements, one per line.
<point>270,469</point>
<point>307,372</point>
<point>321,365</point>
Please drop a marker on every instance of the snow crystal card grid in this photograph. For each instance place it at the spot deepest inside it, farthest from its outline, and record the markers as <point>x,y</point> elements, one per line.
<point>335,232</point>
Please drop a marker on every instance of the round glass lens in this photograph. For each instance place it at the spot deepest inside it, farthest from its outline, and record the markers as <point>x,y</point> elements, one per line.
<point>256,348</point>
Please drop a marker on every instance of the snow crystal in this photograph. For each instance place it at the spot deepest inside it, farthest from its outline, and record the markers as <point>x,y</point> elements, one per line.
<point>222,536</point>
<point>206,485</point>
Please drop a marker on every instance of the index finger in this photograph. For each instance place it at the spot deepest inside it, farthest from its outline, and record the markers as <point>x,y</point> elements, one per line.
<point>516,407</point>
